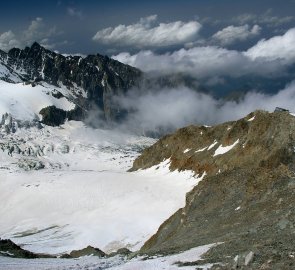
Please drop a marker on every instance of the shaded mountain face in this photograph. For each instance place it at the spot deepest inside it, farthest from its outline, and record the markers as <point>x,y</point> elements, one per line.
<point>245,201</point>
<point>10,249</point>
<point>90,82</point>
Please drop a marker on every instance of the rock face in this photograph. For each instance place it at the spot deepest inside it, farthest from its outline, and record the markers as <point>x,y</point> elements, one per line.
<point>53,116</point>
<point>246,199</point>
<point>88,251</point>
<point>91,81</point>
<point>10,249</point>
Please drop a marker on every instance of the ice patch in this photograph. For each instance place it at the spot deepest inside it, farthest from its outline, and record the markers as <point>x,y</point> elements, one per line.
<point>251,119</point>
<point>224,149</point>
<point>212,145</point>
<point>169,262</point>
<point>186,150</point>
<point>201,150</point>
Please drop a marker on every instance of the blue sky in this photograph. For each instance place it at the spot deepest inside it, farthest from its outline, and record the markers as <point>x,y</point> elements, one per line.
<point>69,26</point>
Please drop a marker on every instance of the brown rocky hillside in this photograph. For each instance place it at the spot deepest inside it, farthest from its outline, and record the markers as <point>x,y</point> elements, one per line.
<point>245,201</point>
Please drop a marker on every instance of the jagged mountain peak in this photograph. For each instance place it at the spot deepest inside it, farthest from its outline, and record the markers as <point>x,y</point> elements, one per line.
<point>36,45</point>
<point>89,82</point>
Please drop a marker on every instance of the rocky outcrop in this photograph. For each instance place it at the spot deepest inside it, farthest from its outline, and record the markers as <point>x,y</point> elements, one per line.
<point>88,251</point>
<point>53,116</point>
<point>245,202</point>
<point>9,249</point>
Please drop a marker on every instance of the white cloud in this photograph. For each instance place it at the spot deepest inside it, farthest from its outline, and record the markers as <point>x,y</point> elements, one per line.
<point>199,61</point>
<point>36,31</point>
<point>8,40</point>
<point>174,108</point>
<point>147,33</point>
<point>231,34</point>
<point>278,47</point>
<point>266,58</point>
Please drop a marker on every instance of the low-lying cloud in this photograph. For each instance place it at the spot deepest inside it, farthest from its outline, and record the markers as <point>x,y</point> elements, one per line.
<point>200,62</point>
<point>168,109</point>
<point>148,33</point>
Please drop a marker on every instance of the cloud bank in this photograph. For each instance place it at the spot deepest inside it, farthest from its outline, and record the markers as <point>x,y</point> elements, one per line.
<point>148,33</point>
<point>231,34</point>
<point>168,109</point>
<point>267,18</point>
<point>266,58</point>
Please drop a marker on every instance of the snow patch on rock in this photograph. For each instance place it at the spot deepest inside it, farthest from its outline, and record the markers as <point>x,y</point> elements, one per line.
<point>224,149</point>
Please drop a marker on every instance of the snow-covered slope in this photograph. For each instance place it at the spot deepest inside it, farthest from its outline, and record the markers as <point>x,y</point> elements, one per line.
<point>24,102</point>
<point>8,75</point>
<point>82,195</point>
<point>116,263</point>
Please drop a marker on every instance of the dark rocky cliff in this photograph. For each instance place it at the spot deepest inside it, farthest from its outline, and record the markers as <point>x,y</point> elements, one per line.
<point>246,200</point>
<point>91,81</point>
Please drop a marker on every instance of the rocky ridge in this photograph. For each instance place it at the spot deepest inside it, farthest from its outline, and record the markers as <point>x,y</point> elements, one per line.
<point>10,249</point>
<point>90,82</point>
<point>245,201</point>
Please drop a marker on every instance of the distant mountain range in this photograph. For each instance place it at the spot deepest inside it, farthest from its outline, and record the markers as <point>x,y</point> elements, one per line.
<point>85,88</point>
<point>88,82</point>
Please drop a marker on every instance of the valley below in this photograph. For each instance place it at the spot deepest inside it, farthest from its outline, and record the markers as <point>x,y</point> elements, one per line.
<point>66,188</point>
